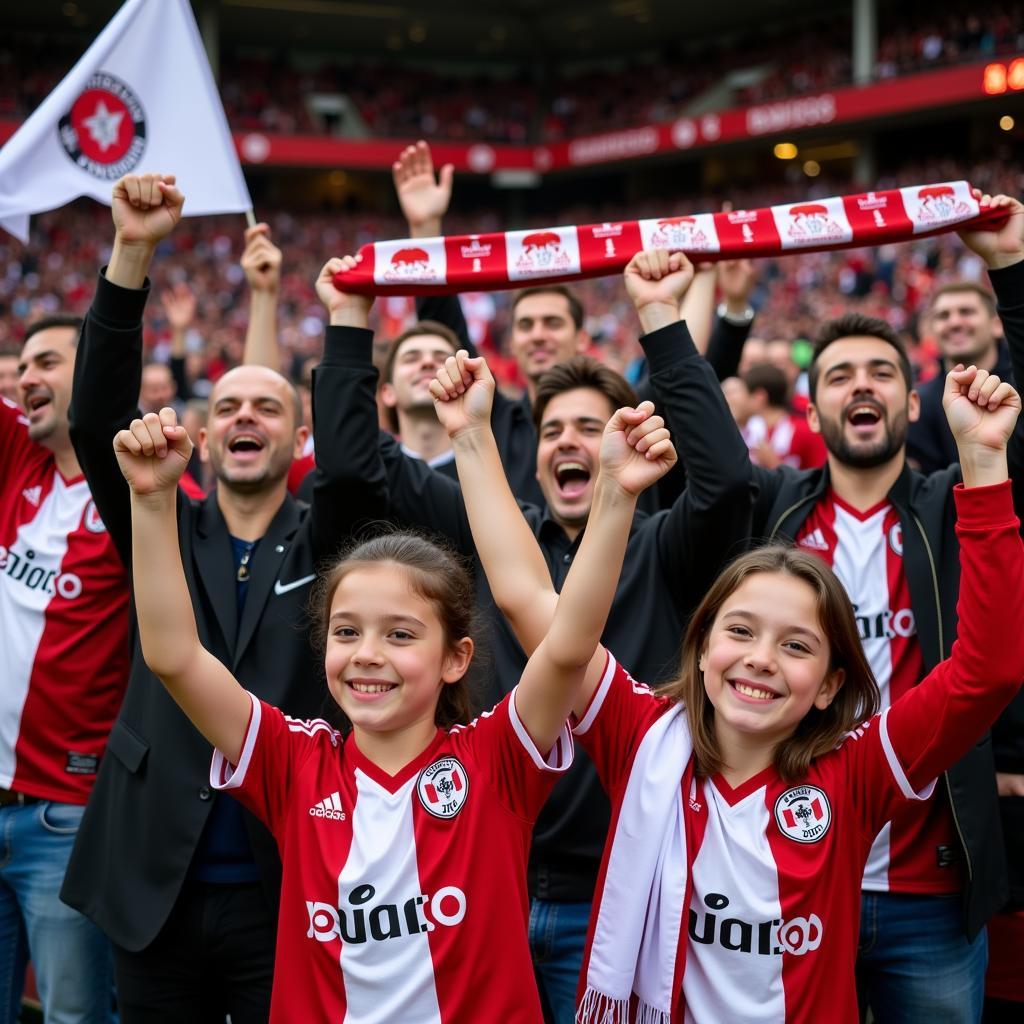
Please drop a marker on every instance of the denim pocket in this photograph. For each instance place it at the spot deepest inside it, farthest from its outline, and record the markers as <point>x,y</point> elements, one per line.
<point>60,819</point>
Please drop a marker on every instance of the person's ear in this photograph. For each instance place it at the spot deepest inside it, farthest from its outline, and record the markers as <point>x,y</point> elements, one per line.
<point>829,688</point>
<point>457,660</point>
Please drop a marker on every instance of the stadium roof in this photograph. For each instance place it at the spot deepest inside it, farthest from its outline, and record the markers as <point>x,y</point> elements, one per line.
<point>506,31</point>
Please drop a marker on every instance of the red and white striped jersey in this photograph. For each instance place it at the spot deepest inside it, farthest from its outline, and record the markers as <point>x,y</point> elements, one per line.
<point>916,852</point>
<point>773,892</point>
<point>791,438</point>
<point>63,623</point>
<point>403,897</point>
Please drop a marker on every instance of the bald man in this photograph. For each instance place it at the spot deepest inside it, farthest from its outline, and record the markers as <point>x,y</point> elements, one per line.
<point>180,877</point>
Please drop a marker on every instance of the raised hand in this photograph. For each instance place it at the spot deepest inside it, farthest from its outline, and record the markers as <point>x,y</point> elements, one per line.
<point>636,449</point>
<point>463,392</point>
<point>736,279</point>
<point>344,309</point>
<point>146,208</point>
<point>179,304</point>
<point>153,452</point>
<point>1005,246</point>
<point>982,411</point>
<point>656,280</point>
<point>261,259</point>
<point>424,199</point>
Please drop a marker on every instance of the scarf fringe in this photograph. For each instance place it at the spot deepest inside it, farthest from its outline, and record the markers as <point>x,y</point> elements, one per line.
<point>647,1014</point>
<point>598,1008</point>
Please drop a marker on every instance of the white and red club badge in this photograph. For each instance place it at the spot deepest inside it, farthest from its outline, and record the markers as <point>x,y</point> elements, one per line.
<point>443,787</point>
<point>104,132</point>
<point>803,814</point>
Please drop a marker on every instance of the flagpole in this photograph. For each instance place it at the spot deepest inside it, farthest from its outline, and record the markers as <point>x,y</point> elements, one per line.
<point>250,218</point>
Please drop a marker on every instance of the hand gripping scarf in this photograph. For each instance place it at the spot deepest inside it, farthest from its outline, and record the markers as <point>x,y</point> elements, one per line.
<point>514,259</point>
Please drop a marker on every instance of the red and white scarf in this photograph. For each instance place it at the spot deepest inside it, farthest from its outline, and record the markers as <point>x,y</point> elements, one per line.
<point>513,259</point>
<point>636,949</point>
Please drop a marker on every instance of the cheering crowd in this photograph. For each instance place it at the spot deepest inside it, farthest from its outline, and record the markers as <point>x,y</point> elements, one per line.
<point>376,691</point>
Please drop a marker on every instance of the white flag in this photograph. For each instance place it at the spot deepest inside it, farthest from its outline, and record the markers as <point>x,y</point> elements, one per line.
<point>142,98</point>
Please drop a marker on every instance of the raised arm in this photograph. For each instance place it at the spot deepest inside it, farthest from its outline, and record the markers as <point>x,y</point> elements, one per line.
<point>733,319</point>
<point>261,261</point>
<point>424,197</point>
<point>516,571</point>
<point>180,309</point>
<point>152,454</point>
<point>108,367</point>
<point>564,671</point>
<point>349,484</point>
<point>937,722</point>
<point>1003,253</point>
<point>711,520</point>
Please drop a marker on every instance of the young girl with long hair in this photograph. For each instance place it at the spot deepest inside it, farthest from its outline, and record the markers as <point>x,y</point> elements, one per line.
<point>746,793</point>
<point>404,843</point>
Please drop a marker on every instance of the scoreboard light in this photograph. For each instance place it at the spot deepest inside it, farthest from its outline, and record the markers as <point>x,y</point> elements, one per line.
<point>999,78</point>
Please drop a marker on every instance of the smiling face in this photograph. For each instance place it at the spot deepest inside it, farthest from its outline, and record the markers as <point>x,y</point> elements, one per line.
<point>251,435</point>
<point>766,661</point>
<point>46,369</point>
<point>387,657</point>
<point>415,365</point>
<point>862,403</point>
<point>963,327</point>
<point>543,333</point>
<point>568,452</point>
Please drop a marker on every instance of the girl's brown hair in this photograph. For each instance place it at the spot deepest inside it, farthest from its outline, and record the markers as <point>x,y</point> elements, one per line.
<point>819,731</point>
<point>436,574</point>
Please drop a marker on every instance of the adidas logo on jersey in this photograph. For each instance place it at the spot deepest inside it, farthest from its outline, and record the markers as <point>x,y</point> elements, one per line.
<point>815,540</point>
<point>417,914</point>
<point>33,494</point>
<point>329,807</point>
<point>798,935</point>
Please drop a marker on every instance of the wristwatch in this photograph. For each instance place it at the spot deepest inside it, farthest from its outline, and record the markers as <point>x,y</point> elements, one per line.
<point>736,319</point>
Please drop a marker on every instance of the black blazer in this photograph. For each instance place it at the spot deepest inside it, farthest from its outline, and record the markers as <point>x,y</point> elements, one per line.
<point>152,795</point>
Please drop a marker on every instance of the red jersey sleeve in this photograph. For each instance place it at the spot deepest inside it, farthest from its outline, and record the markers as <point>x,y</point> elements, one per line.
<point>903,750</point>
<point>808,447</point>
<point>14,439</point>
<point>616,720</point>
<point>275,748</point>
<point>499,745</point>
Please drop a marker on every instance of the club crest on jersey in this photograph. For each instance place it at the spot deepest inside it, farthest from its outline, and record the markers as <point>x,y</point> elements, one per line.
<point>896,539</point>
<point>443,787</point>
<point>803,813</point>
<point>92,520</point>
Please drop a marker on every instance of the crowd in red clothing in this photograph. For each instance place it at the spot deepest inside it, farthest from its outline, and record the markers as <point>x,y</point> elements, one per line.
<point>268,93</point>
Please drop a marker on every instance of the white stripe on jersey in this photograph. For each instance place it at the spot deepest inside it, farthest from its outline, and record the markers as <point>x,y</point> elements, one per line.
<point>736,862</point>
<point>382,978</point>
<point>41,545</point>
<point>860,563</point>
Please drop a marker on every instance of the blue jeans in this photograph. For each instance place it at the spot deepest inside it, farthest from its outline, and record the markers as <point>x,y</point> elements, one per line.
<point>558,933</point>
<point>71,957</point>
<point>914,964</point>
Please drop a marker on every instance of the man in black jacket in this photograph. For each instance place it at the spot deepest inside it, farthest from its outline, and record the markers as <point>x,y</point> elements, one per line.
<point>934,877</point>
<point>185,882</point>
<point>962,317</point>
<point>671,559</point>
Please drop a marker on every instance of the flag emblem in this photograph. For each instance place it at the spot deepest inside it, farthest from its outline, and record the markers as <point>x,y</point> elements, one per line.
<point>443,787</point>
<point>104,132</point>
<point>803,813</point>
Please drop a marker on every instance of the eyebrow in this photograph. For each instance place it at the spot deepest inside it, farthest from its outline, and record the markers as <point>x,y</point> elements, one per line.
<point>802,630</point>
<point>234,399</point>
<point>345,613</point>
<point>582,421</point>
<point>872,363</point>
<point>38,358</point>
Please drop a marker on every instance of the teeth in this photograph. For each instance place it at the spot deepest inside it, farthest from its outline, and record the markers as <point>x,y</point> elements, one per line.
<point>372,687</point>
<point>751,691</point>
